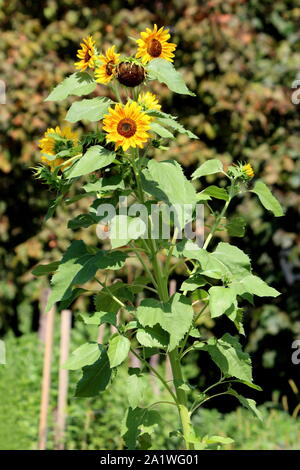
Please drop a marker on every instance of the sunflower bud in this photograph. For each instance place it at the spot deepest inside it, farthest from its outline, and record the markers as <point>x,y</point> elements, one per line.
<point>130,74</point>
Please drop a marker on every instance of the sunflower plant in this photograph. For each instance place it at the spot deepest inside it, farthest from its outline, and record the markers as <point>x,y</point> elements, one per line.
<point>158,226</point>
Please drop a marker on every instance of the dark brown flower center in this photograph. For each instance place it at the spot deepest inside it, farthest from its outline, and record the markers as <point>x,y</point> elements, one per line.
<point>130,74</point>
<point>110,67</point>
<point>154,48</point>
<point>87,55</point>
<point>126,127</point>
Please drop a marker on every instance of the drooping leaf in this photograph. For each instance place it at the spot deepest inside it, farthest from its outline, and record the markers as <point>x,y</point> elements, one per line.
<point>85,355</point>
<point>247,403</point>
<point>227,353</point>
<point>267,199</point>
<point>118,350</point>
<point>165,72</point>
<point>208,168</point>
<point>96,157</point>
<point>216,192</point>
<point>95,378</point>
<point>154,337</point>
<point>253,285</point>
<point>92,109</point>
<point>79,266</point>
<point>104,185</point>
<point>79,83</point>
<point>236,227</point>
<point>170,121</point>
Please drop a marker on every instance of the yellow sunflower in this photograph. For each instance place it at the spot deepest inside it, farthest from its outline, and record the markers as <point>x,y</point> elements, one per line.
<point>149,101</point>
<point>248,170</point>
<point>50,146</point>
<point>127,125</point>
<point>87,54</point>
<point>154,44</point>
<point>105,72</point>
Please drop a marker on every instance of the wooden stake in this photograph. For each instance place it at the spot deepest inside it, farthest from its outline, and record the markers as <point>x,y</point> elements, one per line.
<point>46,378</point>
<point>65,329</point>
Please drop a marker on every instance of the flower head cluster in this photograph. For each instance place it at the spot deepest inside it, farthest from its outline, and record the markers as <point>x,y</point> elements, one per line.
<point>126,123</point>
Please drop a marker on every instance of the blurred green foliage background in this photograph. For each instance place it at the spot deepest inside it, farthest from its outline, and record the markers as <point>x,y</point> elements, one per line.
<point>240,57</point>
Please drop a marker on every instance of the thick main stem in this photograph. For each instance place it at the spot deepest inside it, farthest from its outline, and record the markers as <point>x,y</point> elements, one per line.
<point>161,279</point>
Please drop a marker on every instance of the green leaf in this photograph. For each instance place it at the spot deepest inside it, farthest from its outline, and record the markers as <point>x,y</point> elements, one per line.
<point>165,72</point>
<point>226,262</point>
<point>95,378</point>
<point>85,355</point>
<point>193,283</point>
<point>79,266</point>
<point>267,199</point>
<point>136,419</point>
<point>236,227</point>
<point>154,337</point>
<point>216,192</point>
<point>104,301</point>
<point>79,83</point>
<point>228,355</point>
<point>90,110</point>
<point>95,158</point>
<point>170,121</point>
<point>98,318</point>
<point>118,350</point>
<point>175,317</point>
<point>221,300</point>
<point>208,168</point>
<point>136,386</point>
<point>44,269</point>
<point>247,403</point>
<point>160,130</point>
<point>253,285</point>
<point>162,180</point>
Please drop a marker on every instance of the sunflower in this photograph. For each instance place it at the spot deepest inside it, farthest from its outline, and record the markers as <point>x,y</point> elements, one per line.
<point>87,54</point>
<point>154,44</point>
<point>149,101</point>
<point>248,170</point>
<point>127,125</point>
<point>49,145</point>
<point>105,72</point>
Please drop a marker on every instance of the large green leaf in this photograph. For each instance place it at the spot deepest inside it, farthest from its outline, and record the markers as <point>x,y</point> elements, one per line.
<point>208,168</point>
<point>267,199</point>
<point>96,157</point>
<point>104,301</point>
<point>85,355</point>
<point>79,83</point>
<point>163,180</point>
<point>95,378</point>
<point>216,192</point>
<point>165,72</point>
<point>91,110</point>
<point>226,262</point>
<point>98,318</point>
<point>104,185</point>
<point>227,353</point>
<point>79,266</point>
<point>175,317</point>
<point>118,350</point>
